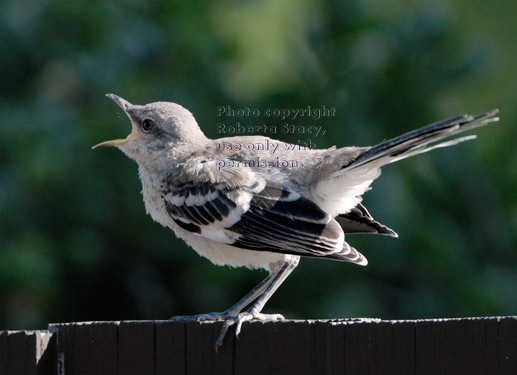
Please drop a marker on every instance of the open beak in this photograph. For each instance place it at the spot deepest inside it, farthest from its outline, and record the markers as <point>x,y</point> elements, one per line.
<point>125,105</point>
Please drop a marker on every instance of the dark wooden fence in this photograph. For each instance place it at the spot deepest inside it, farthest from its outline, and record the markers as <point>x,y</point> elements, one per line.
<point>445,346</point>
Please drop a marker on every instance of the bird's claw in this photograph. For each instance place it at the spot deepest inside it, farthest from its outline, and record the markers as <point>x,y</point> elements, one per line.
<point>240,318</point>
<point>230,319</point>
<point>213,316</point>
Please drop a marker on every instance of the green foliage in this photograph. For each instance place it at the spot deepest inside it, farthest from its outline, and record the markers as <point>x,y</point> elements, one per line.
<point>75,243</point>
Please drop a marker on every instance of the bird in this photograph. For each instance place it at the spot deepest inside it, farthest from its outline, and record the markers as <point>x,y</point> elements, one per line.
<point>255,202</point>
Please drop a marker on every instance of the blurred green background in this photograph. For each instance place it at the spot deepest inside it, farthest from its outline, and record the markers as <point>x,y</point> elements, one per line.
<point>75,242</point>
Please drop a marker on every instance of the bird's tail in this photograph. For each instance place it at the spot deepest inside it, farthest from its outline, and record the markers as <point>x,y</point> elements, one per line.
<point>422,140</point>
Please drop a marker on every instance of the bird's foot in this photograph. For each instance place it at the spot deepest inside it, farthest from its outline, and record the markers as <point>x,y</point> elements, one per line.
<point>240,318</point>
<point>213,316</point>
<point>230,318</point>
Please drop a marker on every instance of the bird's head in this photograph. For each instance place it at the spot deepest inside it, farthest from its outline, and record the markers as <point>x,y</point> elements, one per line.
<point>159,130</point>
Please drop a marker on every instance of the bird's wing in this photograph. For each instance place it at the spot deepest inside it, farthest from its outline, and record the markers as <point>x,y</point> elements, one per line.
<point>242,209</point>
<point>359,220</point>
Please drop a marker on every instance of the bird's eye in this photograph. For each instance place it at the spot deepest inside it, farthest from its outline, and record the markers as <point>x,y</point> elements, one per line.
<point>148,125</point>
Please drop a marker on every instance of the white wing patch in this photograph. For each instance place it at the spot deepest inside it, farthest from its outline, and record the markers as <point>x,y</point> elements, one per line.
<point>264,216</point>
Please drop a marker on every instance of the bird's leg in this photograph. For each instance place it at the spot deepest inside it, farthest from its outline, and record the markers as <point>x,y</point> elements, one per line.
<point>264,291</point>
<point>260,294</point>
<point>251,296</point>
<point>235,309</point>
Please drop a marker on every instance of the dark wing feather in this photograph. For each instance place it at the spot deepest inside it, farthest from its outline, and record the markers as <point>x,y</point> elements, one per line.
<point>359,220</point>
<point>283,221</point>
<point>265,216</point>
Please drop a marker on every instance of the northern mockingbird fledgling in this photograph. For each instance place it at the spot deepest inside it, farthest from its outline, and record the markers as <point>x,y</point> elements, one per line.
<point>260,203</point>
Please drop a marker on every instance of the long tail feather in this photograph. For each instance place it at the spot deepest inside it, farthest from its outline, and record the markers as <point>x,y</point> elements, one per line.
<point>423,139</point>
